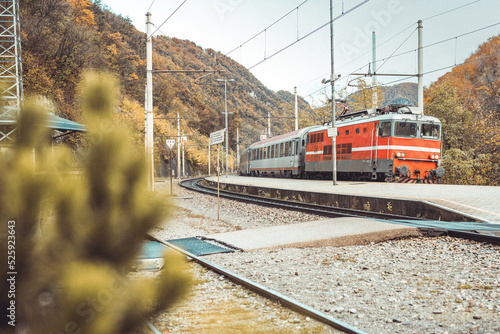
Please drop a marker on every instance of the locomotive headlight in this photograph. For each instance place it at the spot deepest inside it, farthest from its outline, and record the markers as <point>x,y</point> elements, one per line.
<point>400,154</point>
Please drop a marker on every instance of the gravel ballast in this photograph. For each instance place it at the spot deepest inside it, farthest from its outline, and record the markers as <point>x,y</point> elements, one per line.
<point>411,285</point>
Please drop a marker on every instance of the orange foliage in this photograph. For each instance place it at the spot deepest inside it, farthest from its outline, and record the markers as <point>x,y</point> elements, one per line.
<point>475,89</point>
<point>82,13</point>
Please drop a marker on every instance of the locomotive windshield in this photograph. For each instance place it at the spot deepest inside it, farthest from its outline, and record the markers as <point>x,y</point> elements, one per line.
<point>385,129</point>
<point>430,131</point>
<point>405,129</point>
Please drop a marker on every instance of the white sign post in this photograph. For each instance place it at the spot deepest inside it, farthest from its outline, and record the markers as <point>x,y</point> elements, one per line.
<point>217,138</point>
<point>170,145</point>
<point>332,132</point>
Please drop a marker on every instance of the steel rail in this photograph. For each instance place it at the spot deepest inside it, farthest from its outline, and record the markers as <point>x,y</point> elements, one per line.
<point>193,184</point>
<point>265,292</point>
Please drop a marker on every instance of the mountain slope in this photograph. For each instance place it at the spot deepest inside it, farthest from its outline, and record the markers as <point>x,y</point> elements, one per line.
<point>63,38</point>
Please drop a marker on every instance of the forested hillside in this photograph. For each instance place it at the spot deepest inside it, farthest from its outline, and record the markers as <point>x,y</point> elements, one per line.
<point>61,39</point>
<point>467,100</point>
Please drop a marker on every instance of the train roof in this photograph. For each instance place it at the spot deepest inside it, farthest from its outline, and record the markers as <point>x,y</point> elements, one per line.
<point>284,137</point>
<point>391,112</point>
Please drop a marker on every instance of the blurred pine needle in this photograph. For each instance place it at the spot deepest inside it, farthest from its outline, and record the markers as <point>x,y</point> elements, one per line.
<point>77,235</point>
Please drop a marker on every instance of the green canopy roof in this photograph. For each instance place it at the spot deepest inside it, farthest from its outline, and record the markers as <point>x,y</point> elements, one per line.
<point>8,117</point>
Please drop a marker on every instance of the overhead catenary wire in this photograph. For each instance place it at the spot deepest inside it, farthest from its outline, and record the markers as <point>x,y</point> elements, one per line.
<point>438,69</point>
<point>400,45</point>
<point>310,33</point>
<point>386,41</point>
<point>150,6</point>
<point>264,30</point>
<point>413,50</point>
<point>168,18</point>
<point>440,42</point>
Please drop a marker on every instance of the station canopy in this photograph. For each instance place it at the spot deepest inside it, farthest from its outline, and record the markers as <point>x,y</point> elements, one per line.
<point>8,117</point>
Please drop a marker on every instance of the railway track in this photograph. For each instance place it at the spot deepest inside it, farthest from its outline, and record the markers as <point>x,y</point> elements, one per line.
<point>263,291</point>
<point>430,229</point>
<point>194,184</point>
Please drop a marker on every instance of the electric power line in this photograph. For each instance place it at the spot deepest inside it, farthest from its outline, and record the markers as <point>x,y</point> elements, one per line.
<point>413,50</point>
<point>150,6</point>
<point>264,30</point>
<point>400,45</point>
<point>391,38</point>
<point>309,34</point>
<point>440,42</point>
<point>168,18</point>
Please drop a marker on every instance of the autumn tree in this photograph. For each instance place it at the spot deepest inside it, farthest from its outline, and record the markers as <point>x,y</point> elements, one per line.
<point>467,101</point>
<point>366,97</point>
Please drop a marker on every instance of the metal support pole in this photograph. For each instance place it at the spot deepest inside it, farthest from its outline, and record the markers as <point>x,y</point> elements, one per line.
<point>332,82</point>
<point>226,132</point>
<point>178,147</point>
<point>269,124</point>
<point>420,90</point>
<point>226,122</point>
<point>218,184</point>
<point>149,93</point>
<point>208,157</point>
<point>183,161</point>
<point>296,110</point>
<point>374,77</point>
<point>237,148</point>
<point>170,160</point>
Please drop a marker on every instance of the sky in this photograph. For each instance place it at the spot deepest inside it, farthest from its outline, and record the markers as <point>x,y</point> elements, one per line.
<point>287,52</point>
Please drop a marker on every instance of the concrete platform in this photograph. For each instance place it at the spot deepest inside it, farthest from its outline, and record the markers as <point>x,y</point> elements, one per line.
<point>328,232</point>
<point>479,202</point>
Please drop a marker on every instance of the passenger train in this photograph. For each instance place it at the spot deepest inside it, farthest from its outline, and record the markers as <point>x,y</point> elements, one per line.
<point>394,144</point>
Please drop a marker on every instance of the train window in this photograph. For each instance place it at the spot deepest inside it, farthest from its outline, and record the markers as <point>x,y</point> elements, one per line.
<point>277,150</point>
<point>272,151</point>
<point>384,129</point>
<point>405,129</point>
<point>327,150</point>
<point>286,149</point>
<point>430,131</point>
<point>357,130</point>
<point>346,132</point>
<point>364,130</point>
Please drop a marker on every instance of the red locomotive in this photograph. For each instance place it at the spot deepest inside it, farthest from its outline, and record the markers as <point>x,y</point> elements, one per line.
<point>396,143</point>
